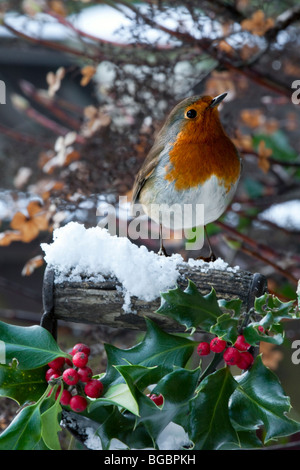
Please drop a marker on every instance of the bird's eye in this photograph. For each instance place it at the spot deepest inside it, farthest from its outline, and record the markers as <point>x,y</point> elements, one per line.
<point>191,113</point>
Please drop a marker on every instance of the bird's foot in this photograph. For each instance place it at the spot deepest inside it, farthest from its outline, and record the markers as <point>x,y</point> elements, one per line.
<point>208,259</point>
<point>162,252</point>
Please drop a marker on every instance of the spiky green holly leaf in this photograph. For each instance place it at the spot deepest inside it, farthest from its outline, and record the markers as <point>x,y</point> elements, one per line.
<point>50,413</point>
<point>260,400</point>
<point>178,388</point>
<point>22,385</point>
<point>124,394</point>
<point>190,308</point>
<point>115,423</point>
<point>25,431</point>
<point>275,308</point>
<point>275,334</point>
<point>210,427</point>
<point>158,348</point>
<point>233,305</point>
<point>226,328</point>
<point>32,346</point>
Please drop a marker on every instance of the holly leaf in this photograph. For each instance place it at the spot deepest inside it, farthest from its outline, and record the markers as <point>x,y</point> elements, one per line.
<point>50,421</point>
<point>226,328</point>
<point>158,348</point>
<point>178,388</point>
<point>210,427</point>
<point>25,431</point>
<point>234,305</point>
<point>247,440</point>
<point>190,308</point>
<point>274,335</point>
<point>117,424</point>
<point>32,346</point>
<point>260,400</point>
<point>120,395</point>
<point>22,385</point>
<point>275,308</point>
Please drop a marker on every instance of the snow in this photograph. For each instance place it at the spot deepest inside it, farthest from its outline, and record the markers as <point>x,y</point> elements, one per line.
<point>93,253</point>
<point>285,214</point>
<point>173,437</point>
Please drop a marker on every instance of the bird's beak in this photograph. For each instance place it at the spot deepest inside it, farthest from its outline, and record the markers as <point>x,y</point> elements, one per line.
<point>217,100</point>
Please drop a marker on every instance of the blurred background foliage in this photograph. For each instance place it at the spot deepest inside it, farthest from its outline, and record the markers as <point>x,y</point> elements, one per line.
<point>87,86</point>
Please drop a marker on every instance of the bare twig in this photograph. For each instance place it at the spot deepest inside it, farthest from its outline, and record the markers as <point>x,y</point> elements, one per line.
<point>19,137</point>
<point>283,21</point>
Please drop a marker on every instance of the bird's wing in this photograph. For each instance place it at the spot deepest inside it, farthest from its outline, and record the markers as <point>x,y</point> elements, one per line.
<point>146,171</point>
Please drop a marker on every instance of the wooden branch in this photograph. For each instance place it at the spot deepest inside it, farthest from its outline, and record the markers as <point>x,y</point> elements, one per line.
<point>102,302</point>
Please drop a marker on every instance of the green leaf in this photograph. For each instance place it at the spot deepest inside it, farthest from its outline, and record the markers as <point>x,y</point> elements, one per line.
<point>25,431</point>
<point>22,385</point>
<point>114,424</point>
<point>233,305</point>
<point>247,440</point>
<point>158,348</point>
<point>178,388</point>
<point>226,328</point>
<point>190,308</point>
<point>120,395</point>
<point>32,346</point>
<point>260,399</point>
<point>273,311</point>
<point>210,427</point>
<point>253,187</point>
<point>253,335</point>
<point>277,310</point>
<point>279,144</point>
<point>50,422</point>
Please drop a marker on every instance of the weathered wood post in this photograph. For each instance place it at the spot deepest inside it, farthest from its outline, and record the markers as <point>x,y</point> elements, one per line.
<point>102,302</point>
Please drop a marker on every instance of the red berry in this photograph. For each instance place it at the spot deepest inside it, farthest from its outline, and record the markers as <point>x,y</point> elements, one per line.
<point>78,403</point>
<point>261,329</point>
<point>231,356</point>
<point>245,360</point>
<point>70,376</point>
<point>80,359</point>
<point>57,363</point>
<point>81,347</point>
<point>203,348</point>
<point>52,374</point>
<point>85,373</point>
<point>157,399</point>
<point>217,345</point>
<point>241,344</point>
<point>93,388</point>
<point>65,397</point>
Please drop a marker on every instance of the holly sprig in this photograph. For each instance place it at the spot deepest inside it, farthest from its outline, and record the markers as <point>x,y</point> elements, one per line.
<point>216,408</point>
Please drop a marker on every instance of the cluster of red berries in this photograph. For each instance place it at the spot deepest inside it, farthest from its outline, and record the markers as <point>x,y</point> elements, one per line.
<point>77,376</point>
<point>235,355</point>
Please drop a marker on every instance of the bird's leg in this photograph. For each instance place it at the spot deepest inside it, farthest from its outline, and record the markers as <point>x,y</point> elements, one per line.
<point>161,251</point>
<point>211,253</point>
<point>211,256</point>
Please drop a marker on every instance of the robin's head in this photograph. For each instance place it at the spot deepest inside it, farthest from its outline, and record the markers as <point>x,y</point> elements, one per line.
<point>196,115</point>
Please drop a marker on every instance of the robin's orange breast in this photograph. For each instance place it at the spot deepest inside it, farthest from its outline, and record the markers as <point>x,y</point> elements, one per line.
<point>196,156</point>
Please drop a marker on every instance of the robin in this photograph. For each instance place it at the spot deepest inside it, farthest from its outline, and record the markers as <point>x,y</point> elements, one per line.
<point>192,162</point>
